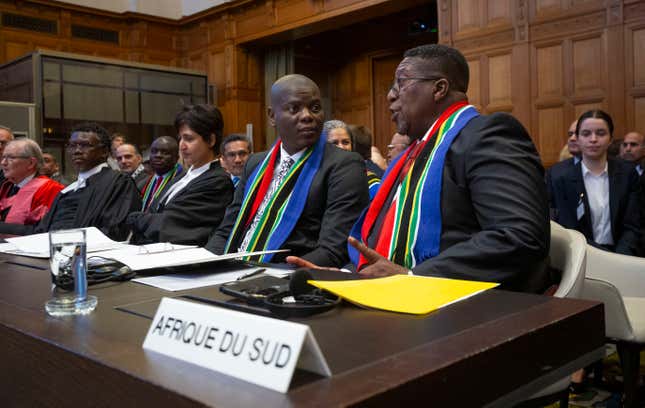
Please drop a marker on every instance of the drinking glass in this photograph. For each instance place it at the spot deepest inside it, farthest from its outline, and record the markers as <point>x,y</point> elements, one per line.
<point>68,267</point>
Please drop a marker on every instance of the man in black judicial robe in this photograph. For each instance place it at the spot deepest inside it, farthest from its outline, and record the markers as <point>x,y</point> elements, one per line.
<point>100,198</point>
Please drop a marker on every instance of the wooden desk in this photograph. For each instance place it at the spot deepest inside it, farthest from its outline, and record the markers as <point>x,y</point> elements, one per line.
<point>492,350</point>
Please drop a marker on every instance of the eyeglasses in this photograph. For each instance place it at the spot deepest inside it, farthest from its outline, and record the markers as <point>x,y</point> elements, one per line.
<point>10,157</point>
<point>71,147</point>
<point>393,145</point>
<point>398,83</point>
<point>232,155</point>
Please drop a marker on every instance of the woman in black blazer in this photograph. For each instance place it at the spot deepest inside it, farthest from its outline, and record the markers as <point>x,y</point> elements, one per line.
<point>598,196</point>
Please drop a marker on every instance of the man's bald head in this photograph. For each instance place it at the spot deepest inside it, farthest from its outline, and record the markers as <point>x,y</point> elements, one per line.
<point>288,83</point>
<point>296,112</point>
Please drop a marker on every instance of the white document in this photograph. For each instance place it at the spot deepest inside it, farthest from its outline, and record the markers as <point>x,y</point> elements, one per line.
<point>37,245</point>
<point>166,255</point>
<point>181,281</point>
<point>257,349</point>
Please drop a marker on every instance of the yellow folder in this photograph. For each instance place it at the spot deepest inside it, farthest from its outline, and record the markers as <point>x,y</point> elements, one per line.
<point>404,293</point>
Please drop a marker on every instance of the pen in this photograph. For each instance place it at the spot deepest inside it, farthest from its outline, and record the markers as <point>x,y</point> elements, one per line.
<point>248,275</point>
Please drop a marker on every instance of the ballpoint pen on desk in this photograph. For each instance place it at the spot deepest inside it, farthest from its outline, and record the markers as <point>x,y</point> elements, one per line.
<point>254,273</point>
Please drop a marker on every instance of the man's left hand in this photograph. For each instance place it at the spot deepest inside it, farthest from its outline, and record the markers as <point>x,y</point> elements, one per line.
<point>377,265</point>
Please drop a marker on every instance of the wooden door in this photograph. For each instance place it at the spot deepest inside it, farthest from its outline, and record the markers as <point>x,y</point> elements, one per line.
<point>382,77</point>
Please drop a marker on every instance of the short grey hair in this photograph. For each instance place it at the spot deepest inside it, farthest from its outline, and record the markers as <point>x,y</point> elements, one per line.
<point>335,124</point>
<point>30,149</point>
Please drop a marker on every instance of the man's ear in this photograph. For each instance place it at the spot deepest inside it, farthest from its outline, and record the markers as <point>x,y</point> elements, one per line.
<point>271,115</point>
<point>212,140</point>
<point>441,89</point>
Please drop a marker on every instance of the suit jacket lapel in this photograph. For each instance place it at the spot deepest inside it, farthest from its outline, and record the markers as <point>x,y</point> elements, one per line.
<point>577,185</point>
<point>615,175</point>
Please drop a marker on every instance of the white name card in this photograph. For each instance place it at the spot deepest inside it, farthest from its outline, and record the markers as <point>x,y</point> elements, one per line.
<point>253,348</point>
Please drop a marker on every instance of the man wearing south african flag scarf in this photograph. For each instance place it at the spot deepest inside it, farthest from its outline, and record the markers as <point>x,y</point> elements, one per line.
<point>466,199</point>
<point>303,194</point>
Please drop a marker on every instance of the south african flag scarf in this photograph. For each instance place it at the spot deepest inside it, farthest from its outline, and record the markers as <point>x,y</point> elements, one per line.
<point>411,227</point>
<point>152,189</point>
<point>285,207</point>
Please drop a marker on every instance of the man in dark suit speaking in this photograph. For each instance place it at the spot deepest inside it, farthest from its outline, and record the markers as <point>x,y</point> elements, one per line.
<point>466,199</point>
<point>304,194</point>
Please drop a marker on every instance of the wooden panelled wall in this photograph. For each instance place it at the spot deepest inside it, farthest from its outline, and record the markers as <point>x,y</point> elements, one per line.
<point>547,61</point>
<point>544,61</point>
<point>140,40</point>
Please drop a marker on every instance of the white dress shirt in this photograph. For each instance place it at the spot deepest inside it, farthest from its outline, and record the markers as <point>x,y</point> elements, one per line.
<point>25,181</point>
<point>191,175</point>
<point>597,187</point>
<point>284,156</point>
<point>81,181</point>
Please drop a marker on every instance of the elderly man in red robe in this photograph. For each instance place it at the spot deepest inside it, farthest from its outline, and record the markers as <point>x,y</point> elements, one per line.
<point>25,197</point>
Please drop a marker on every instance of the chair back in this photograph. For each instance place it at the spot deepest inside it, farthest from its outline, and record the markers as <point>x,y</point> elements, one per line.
<point>627,273</point>
<point>617,325</point>
<point>568,254</point>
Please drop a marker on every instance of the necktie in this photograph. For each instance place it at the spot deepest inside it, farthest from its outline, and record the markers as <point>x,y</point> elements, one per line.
<point>235,180</point>
<point>13,191</point>
<point>285,165</point>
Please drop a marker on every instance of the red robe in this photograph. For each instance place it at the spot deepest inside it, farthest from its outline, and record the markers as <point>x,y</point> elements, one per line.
<point>31,202</point>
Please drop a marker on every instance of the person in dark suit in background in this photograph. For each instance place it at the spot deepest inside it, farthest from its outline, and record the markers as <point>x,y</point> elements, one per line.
<point>598,196</point>
<point>304,194</point>
<point>164,156</point>
<point>131,164</point>
<point>235,151</point>
<point>483,213</point>
<point>194,205</point>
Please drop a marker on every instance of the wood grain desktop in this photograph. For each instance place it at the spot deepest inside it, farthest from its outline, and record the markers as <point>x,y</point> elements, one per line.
<point>494,349</point>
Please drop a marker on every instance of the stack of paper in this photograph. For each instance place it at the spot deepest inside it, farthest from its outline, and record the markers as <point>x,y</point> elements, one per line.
<point>185,281</point>
<point>37,245</point>
<point>404,293</point>
<point>165,255</point>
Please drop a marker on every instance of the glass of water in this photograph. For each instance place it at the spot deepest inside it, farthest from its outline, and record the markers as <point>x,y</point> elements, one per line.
<point>68,267</point>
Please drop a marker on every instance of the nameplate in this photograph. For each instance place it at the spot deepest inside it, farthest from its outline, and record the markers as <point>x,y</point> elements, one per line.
<point>257,349</point>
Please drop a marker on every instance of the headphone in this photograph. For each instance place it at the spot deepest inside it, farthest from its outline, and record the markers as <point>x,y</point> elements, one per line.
<point>300,300</point>
<point>112,272</point>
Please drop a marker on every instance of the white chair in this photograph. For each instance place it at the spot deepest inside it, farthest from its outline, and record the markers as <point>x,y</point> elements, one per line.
<point>619,282</point>
<point>567,254</point>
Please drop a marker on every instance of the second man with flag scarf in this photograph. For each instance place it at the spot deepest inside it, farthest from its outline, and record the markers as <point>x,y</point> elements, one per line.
<point>303,194</point>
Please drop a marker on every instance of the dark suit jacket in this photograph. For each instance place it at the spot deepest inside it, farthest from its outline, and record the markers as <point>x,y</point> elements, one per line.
<point>336,198</point>
<point>191,214</point>
<point>642,214</point>
<point>141,180</point>
<point>566,186</point>
<point>494,210</point>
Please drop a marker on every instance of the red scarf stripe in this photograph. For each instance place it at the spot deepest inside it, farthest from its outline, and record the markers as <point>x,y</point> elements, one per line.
<point>388,184</point>
<point>264,184</point>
